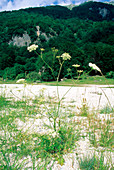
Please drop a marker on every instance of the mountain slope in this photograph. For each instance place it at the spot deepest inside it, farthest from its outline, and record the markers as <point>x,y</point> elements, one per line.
<point>95,11</point>
<point>85,40</point>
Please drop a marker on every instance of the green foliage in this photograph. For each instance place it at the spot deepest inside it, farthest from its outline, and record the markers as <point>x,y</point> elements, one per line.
<point>30,64</point>
<point>107,110</point>
<point>11,72</point>
<point>110,74</point>
<point>20,76</point>
<point>106,139</point>
<point>89,10</point>
<point>47,76</point>
<point>62,142</point>
<point>81,32</point>
<point>3,102</point>
<point>93,163</point>
<point>100,53</point>
<point>33,76</point>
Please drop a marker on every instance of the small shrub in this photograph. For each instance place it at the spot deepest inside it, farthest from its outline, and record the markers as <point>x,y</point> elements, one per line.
<point>9,73</point>
<point>46,76</point>
<point>62,142</point>
<point>110,74</point>
<point>33,76</point>
<point>20,76</point>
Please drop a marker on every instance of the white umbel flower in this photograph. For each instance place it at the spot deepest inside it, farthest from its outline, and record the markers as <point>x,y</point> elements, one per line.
<point>66,56</point>
<point>94,67</point>
<point>76,65</point>
<point>32,48</point>
<point>80,71</point>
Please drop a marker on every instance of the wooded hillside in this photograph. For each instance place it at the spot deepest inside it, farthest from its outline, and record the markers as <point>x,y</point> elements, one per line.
<point>86,32</point>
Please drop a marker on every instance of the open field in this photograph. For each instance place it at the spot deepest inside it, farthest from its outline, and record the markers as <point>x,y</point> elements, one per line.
<point>49,127</point>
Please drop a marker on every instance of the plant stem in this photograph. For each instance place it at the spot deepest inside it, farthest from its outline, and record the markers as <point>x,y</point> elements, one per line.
<point>46,64</point>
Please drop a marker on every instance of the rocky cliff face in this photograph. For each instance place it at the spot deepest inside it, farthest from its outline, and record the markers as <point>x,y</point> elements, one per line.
<point>21,41</point>
<point>103,12</point>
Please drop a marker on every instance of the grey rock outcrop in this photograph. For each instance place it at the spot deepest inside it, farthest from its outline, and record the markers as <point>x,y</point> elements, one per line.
<point>21,41</point>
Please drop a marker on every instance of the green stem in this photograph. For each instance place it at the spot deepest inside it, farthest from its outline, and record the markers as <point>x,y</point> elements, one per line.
<point>55,124</point>
<point>106,82</point>
<point>58,79</point>
<point>59,71</point>
<point>106,97</point>
<point>108,86</point>
<point>59,103</point>
<point>46,64</point>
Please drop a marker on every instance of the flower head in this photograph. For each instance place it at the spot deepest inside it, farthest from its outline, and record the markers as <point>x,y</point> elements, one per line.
<point>42,49</point>
<point>76,65</point>
<point>32,48</point>
<point>80,71</point>
<point>94,67</point>
<point>66,56</point>
<point>54,49</point>
<point>58,56</point>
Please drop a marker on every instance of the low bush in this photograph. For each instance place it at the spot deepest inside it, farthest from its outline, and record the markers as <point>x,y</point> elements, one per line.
<point>20,76</point>
<point>110,74</point>
<point>33,76</point>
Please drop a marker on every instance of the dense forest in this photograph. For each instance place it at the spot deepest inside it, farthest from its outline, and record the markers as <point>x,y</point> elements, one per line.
<point>86,32</point>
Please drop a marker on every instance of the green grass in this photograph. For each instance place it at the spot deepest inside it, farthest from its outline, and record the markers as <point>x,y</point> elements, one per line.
<point>101,132</point>
<point>93,163</point>
<point>3,102</point>
<point>16,143</point>
<point>98,80</point>
<point>107,110</point>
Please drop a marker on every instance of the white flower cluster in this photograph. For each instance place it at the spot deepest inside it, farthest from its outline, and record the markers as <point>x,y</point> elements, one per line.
<point>76,65</point>
<point>94,67</point>
<point>80,71</point>
<point>32,48</point>
<point>66,56</point>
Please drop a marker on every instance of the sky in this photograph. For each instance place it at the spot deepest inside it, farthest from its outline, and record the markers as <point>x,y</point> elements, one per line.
<point>9,5</point>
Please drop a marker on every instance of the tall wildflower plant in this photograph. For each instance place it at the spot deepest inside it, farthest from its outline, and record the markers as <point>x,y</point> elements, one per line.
<point>64,57</point>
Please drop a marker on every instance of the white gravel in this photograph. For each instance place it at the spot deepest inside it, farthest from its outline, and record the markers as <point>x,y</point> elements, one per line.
<point>96,96</point>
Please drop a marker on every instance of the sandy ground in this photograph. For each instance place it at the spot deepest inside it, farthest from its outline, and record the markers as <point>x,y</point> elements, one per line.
<point>97,96</point>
